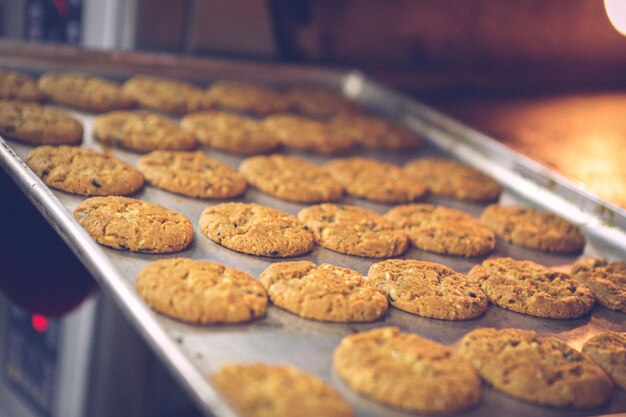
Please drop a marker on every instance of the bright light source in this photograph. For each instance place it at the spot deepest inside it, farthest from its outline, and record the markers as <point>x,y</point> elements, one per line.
<point>616,11</point>
<point>39,322</point>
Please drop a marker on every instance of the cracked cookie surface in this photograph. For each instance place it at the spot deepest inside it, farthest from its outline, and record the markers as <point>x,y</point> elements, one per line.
<point>354,231</point>
<point>200,291</point>
<point>407,371</point>
<point>191,173</point>
<point>256,230</point>
<point>609,351</point>
<point>141,131</point>
<point>326,292</point>
<point>291,178</point>
<point>247,98</point>
<point>307,135</point>
<point>322,103</point>
<point>38,125</point>
<point>530,288</point>
<point>84,92</point>
<point>534,229</point>
<point>375,180</point>
<point>264,390</point>
<point>230,132</point>
<point>428,289</point>
<point>130,224</point>
<point>376,132</point>
<point>543,371</point>
<point>453,179</point>
<point>606,280</point>
<point>83,171</point>
<point>442,230</point>
<point>166,95</point>
<point>18,86</point>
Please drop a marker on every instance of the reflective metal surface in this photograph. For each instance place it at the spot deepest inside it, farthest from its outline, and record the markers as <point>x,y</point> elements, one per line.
<point>194,352</point>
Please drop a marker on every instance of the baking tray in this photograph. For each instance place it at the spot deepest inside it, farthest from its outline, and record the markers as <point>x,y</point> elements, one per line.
<point>194,352</point>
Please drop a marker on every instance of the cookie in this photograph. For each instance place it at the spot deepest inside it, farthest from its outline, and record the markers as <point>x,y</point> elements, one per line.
<point>325,292</point>
<point>256,230</point>
<point>376,132</point>
<point>84,92</point>
<point>442,230</point>
<point>543,371</point>
<point>200,291</point>
<point>191,173</point>
<point>407,371</point>
<point>428,289</point>
<point>130,224</point>
<point>263,390</point>
<point>354,231</point>
<point>290,178</point>
<point>607,281</point>
<point>534,229</point>
<point>453,179</point>
<point>247,98</point>
<point>38,125</point>
<point>321,103</point>
<point>609,351</point>
<point>303,134</point>
<point>529,288</point>
<point>230,132</point>
<point>83,171</point>
<point>18,86</point>
<point>166,95</point>
<point>375,180</point>
<point>141,132</point>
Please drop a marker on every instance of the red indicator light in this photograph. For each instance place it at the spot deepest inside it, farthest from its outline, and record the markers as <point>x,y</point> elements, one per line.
<point>39,322</point>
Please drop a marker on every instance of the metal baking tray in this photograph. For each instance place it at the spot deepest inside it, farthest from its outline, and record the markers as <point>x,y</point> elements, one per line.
<point>194,352</point>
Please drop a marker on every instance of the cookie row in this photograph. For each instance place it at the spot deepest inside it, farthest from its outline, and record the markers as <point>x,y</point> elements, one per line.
<point>96,94</point>
<point>347,124</point>
<point>196,291</point>
<point>415,374</point>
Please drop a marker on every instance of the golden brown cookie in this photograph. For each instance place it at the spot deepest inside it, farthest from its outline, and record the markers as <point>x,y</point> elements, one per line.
<point>609,351</point>
<point>428,289</point>
<point>529,288</point>
<point>263,390</point>
<point>308,135</point>
<point>230,132</point>
<point>84,92</point>
<point>290,178</point>
<point>376,132</point>
<point>407,371</point>
<point>38,125</point>
<point>256,230</point>
<point>191,173</point>
<point>543,371</point>
<point>18,86</point>
<point>326,292</point>
<point>442,230</point>
<point>247,98</point>
<point>453,179</point>
<point>166,94</point>
<point>130,224</point>
<point>322,103</point>
<point>83,171</point>
<point>200,291</point>
<point>375,180</point>
<point>534,229</point>
<point>141,131</point>
<point>607,281</point>
<point>354,230</point>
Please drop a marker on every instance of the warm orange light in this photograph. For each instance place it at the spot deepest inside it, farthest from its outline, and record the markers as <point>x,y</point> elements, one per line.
<point>616,11</point>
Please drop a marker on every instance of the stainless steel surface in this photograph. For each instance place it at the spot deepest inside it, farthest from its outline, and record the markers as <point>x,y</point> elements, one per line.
<point>194,352</point>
